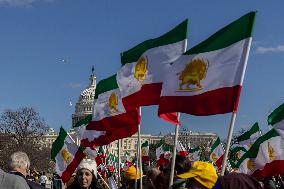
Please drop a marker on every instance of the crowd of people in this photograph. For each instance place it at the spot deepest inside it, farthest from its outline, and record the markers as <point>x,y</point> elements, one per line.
<point>188,175</point>
<point>19,175</point>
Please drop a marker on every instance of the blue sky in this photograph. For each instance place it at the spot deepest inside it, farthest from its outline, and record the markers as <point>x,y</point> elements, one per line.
<point>36,35</point>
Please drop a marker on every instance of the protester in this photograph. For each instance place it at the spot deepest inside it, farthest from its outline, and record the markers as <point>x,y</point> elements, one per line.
<point>128,181</point>
<point>86,176</point>
<point>151,177</point>
<point>43,179</point>
<point>19,164</point>
<point>162,181</point>
<point>202,175</point>
<point>56,181</point>
<point>10,181</point>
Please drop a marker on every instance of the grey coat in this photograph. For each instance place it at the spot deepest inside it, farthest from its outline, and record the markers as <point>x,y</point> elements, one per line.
<point>9,181</point>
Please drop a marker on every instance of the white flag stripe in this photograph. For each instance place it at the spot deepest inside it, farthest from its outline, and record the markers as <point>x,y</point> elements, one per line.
<point>102,109</point>
<point>158,59</point>
<point>222,63</point>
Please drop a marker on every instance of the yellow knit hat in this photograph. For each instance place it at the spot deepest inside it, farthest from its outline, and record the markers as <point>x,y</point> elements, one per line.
<point>130,173</point>
<point>202,172</point>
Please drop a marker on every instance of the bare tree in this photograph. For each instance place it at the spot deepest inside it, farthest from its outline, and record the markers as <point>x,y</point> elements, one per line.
<point>23,130</point>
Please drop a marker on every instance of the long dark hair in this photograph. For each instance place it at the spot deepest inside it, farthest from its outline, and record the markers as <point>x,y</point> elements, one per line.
<point>94,184</point>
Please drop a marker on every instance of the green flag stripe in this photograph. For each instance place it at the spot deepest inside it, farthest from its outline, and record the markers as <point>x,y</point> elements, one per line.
<point>232,33</point>
<point>145,144</point>
<point>101,150</point>
<point>177,34</point>
<point>58,143</point>
<point>276,116</point>
<point>253,151</point>
<point>237,149</point>
<point>105,85</point>
<point>216,143</point>
<point>161,142</point>
<point>84,121</point>
<point>246,135</point>
<point>82,148</point>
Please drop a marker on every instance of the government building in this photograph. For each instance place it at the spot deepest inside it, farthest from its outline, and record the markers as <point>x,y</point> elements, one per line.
<point>84,107</point>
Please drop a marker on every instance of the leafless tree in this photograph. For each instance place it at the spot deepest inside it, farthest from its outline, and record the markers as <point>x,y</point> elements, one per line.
<point>22,130</point>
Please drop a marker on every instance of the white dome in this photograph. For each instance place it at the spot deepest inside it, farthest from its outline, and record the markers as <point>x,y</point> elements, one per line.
<point>84,106</point>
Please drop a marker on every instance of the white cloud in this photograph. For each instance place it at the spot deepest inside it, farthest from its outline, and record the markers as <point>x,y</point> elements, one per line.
<point>277,49</point>
<point>20,3</point>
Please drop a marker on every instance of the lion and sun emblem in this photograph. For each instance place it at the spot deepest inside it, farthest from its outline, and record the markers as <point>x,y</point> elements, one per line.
<point>113,103</point>
<point>66,156</point>
<point>191,76</point>
<point>140,70</point>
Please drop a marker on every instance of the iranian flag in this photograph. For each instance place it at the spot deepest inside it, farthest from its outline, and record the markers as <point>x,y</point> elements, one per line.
<point>217,153</point>
<point>181,150</point>
<point>207,79</point>
<point>236,152</point>
<point>143,67</point>
<point>276,119</point>
<point>111,118</point>
<point>145,151</point>
<point>248,138</point>
<point>83,133</point>
<point>194,154</point>
<point>265,158</point>
<point>66,154</point>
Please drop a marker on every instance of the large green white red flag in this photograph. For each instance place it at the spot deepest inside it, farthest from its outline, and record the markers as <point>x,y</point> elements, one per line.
<point>143,67</point>
<point>66,154</point>
<point>265,158</point>
<point>249,137</point>
<point>111,118</point>
<point>207,79</point>
<point>217,153</point>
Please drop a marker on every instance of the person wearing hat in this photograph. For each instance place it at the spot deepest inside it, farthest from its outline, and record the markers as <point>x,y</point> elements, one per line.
<point>86,176</point>
<point>129,178</point>
<point>202,175</point>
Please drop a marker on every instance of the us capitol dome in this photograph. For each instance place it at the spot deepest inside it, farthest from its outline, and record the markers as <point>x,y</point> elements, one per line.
<point>84,106</point>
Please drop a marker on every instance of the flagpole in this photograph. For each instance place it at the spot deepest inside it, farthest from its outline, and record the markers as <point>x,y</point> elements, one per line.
<point>244,59</point>
<point>174,152</point>
<point>72,138</point>
<point>119,161</point>
<point>105,167</point>
<point>176,139</point>
<point>228,143</point>
<point>139,151</point>
<point>103,180</point>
